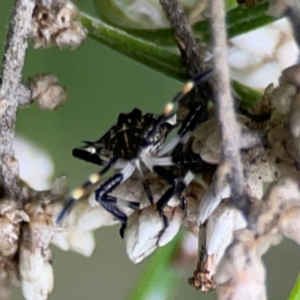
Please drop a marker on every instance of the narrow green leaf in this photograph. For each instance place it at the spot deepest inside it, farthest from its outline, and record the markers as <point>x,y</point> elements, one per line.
<point>158,280</point>
<point>112,13</point>
<point>161,59</point>
<point>230,4</point>
<point>295,294</point>
<point>239,20</point>
<point>248,95</point>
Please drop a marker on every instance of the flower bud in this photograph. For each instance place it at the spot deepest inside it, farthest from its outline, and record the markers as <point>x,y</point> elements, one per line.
<point>146,231</point>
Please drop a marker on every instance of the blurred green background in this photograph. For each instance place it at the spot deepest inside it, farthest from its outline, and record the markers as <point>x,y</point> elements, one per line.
<point>101,84</point>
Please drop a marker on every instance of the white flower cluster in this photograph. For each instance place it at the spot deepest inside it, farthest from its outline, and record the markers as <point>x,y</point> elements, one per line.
<point>25,238</point>
<point>241,273</point>
<point>257,58</point>
<point>232,245</point>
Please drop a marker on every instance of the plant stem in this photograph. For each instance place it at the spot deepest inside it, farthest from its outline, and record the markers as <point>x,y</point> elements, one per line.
<point>230,129</point>
<point>13,62</point>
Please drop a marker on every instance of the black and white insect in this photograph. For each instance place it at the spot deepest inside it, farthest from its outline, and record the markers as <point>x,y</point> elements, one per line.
<point>138,142</point>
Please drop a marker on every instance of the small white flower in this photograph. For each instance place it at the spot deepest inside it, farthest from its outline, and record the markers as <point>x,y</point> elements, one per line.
<point>216,192</point>
<point>38,289</point>
<point>35,268</point>
<point>214,238</point>
<point>220,227</point>
<point>146,231</point>
<point>256,58</point>
<point>36,165</point>
<point>241,274</point>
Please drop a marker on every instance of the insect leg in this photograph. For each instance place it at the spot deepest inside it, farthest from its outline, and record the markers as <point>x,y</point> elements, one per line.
<point>188,159</point>
<point>176,189</point>
<point>109,202</point>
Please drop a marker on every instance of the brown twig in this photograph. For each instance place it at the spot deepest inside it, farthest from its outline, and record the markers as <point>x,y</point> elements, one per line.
<point>192,58</point>
<point>230,129</point>
<point>13,62</point>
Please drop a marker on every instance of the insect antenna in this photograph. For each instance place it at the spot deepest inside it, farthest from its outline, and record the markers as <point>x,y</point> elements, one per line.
<point>190,85</point>
<point>78,193</point>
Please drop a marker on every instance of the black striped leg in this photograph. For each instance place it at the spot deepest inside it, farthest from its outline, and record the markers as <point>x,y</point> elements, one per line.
<point>178,142</point>
<point>123,203</point>
<point>109,202</point>
<point>151,163</point>
<point>165,174</point>
<point>81,191</point>
<point>190,85</point>
<point>188,159</point>
<point>176,189</point>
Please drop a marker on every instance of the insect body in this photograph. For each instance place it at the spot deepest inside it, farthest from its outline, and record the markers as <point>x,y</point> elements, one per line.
<point>128,139</point>
<point>136,142</point>
<point>127,146</point>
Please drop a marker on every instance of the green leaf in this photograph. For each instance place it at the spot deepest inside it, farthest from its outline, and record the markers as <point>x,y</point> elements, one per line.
<point>248,95</point>
<point>158,280</point>
<point>295,294</point>
<point>239,20</point>
<point>113,14</point>
<point>138,14</point>
<point>163,60</point>
<point>156,57</point>
<point>230,4</point>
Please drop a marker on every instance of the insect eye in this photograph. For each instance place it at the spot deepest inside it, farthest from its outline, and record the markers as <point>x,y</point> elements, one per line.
<point>91,150</point>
